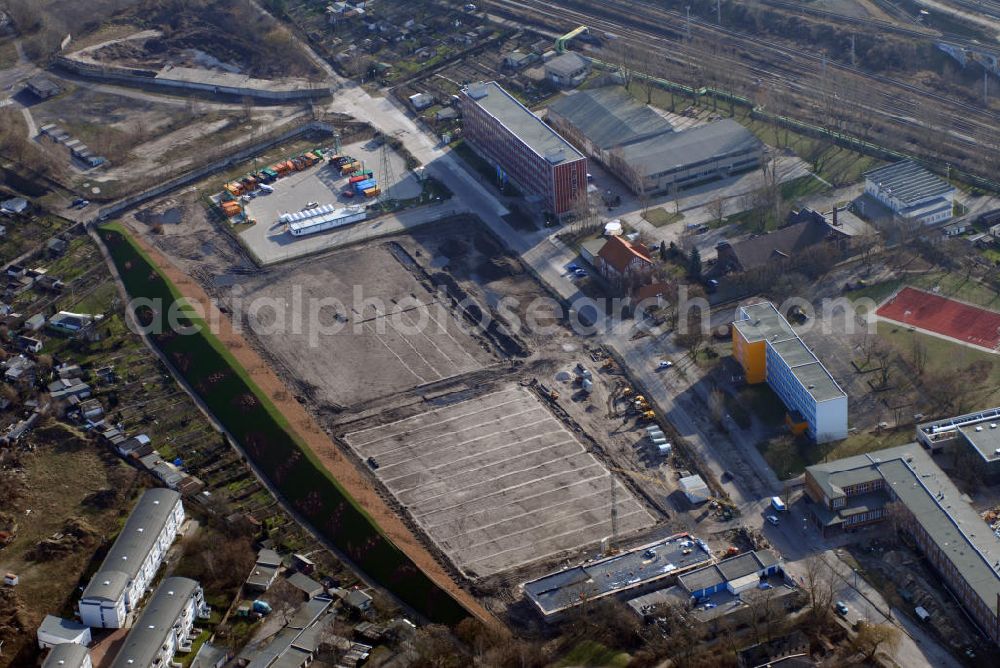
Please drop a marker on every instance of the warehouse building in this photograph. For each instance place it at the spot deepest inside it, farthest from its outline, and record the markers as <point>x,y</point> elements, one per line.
<point>544,166</point>
<point>641,148</point>
<point>165,626</point>
<point>769,350</point>
<point>132,562</point>
<point>630,573</point>
<point>855,491</point>
<point>977,433</point>
<point>911,192</point>
<point>600,119</point>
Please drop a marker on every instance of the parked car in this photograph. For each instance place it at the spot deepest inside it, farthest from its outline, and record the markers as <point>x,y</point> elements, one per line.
<point>841,608</point>
<point>572,267</point>
<point>311,205</point>
<point>580,273</point>
<point>372,463</point>
<point>773,520</point>
<point>664,364</point>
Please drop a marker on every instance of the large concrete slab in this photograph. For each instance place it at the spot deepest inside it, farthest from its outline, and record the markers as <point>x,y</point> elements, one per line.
<point>497,481</point>
<point>355,325</point>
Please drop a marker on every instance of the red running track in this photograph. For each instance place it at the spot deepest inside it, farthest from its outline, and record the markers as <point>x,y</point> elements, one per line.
<point>943,316</point>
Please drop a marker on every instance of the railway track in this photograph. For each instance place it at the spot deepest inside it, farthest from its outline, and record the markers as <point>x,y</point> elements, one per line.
<point>898,105</point>
<point>886,26</point>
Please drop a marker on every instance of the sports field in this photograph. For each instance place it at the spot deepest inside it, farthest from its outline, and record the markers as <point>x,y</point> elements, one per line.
<point>940,315</point>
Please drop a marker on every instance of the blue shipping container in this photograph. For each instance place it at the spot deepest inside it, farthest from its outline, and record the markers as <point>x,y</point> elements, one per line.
<point>364,185</point>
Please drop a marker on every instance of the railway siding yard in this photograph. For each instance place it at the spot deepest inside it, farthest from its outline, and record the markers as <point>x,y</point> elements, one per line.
<point>497,481</point>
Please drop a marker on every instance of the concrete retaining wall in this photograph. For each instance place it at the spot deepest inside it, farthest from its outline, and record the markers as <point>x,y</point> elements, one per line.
<point>139,77</point>
<point>234,158</point>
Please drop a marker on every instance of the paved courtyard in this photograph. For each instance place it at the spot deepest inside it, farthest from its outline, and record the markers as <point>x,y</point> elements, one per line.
<point>322,184</point>
<point>497,481</point>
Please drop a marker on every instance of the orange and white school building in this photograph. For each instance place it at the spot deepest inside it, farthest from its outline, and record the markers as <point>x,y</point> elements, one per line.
<point>770,351</point>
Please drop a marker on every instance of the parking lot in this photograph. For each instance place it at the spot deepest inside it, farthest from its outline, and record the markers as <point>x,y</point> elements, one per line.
<point>497,481</point>
<point>322,184</point>
<point>365,328</point>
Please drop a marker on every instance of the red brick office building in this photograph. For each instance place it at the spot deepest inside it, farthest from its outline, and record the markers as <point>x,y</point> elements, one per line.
<point>540,162</point>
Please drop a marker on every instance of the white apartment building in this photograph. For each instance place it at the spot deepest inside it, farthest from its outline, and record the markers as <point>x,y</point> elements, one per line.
<point>133,560</point>
<point>165,626</point>
<point>68,655</point>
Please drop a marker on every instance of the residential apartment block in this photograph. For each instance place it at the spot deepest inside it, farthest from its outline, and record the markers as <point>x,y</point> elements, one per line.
<point>855,491</point>
<point>68,655</point>
<point>133,560</point>
<point>165,626</point>
<point>769,350</point>
<point>543,165</point>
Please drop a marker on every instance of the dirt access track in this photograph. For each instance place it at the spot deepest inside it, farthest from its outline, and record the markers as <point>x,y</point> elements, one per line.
<point>314,437</point>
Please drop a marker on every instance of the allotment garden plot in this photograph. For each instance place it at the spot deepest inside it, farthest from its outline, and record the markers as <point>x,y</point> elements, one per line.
<point>378,331</point>
<point>497,481</point>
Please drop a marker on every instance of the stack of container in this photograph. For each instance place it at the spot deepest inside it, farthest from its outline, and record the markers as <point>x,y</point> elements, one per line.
<point>350,167</point>
<point>231,208</point>
<point>235,189</point>
<point>367,187</point>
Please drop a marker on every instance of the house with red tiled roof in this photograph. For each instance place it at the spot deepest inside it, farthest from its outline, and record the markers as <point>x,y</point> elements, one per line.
<point>623,263</point>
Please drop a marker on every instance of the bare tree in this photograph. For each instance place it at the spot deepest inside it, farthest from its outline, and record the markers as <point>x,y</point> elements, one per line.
<point>675,196</point>
<point>819,583</point>
<point>872,638</point>
<point>918,354</point>
<point>622,55</point>
<point>717,208</point>
<point>763,612</point>
<point>647,63</point>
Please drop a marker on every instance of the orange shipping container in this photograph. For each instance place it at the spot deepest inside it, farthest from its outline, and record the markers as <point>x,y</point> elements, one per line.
<point>371,192</point>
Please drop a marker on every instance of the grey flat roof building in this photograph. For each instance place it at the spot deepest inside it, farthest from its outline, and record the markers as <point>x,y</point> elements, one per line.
<point>154,626</point>
<point>64,629</point>
<point>517,118</point>
<point>951,533</point>
<point>610,117</point>
<point>765,323</point>
<point>908,182</point>
<point>67,655</point>
<point>683,150</point>
<point>134,543</point>
<point>629,570</point>
<point>980,430</point>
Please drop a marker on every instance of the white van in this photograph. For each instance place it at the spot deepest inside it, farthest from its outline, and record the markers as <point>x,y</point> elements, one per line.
<point>778,504</point>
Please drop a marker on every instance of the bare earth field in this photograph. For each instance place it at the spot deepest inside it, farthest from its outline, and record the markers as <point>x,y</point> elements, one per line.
<point>394,334</point>
<point>497,481</point>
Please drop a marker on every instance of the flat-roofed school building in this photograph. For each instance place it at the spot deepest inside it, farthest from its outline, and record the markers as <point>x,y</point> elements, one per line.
<point>852,492</point>
<point>769,350</point>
